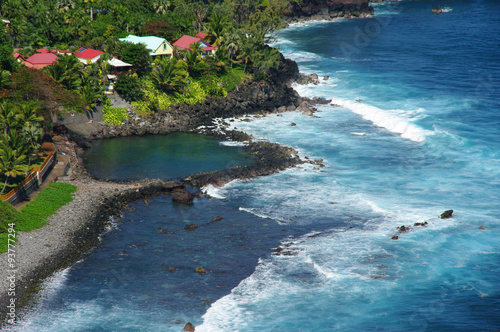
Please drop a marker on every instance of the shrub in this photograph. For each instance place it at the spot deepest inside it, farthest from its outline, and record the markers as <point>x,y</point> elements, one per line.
<point>129,87</point>
<point>114,115</point>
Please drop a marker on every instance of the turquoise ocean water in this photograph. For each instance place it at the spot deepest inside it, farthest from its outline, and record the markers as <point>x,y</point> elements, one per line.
<point>413,129</point>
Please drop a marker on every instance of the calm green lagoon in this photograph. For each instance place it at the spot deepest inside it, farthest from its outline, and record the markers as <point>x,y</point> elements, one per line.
<point>160,156</point>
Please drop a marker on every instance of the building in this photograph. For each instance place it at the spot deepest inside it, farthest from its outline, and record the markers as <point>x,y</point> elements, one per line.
<point>40,60</point>
<point>86,54</point>
<point>158,47</point>
<point>184,43</point>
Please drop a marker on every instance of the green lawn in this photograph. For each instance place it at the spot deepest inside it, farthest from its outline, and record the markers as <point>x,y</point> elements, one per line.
<point>34,214</point>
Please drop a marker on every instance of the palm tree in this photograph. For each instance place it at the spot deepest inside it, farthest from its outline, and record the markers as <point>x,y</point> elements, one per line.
<point>8,117</point>
<point>32,134</point>
<point>161,6</point>
<point>12,155</point>
<point>217,25</point>
<point>67,71</point>
<point>192,57</point>
<point>170,75</point>
<point>26,115</point>
<point>4,77</point>
<point>89,91</point>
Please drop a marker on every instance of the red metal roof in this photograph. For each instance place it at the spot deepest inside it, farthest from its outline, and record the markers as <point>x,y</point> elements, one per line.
<point>46,50</point>
<point>40,60</point>
<point>186,40</point>
<point>87,53</point>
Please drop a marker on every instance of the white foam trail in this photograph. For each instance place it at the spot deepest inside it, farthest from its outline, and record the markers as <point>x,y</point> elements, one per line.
<point>385,118</point>
<point>447,9</point>
<point>260,215</point>
<point>232,143</point>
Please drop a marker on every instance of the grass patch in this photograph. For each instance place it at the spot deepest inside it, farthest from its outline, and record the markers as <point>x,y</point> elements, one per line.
<point>34,214</point>
<point>45,204</point>
<point>8,215</point>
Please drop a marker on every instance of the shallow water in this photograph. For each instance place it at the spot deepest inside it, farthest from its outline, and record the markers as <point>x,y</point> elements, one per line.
<point>170,156</point>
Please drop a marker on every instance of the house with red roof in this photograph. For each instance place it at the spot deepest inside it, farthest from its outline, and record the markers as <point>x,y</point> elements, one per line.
<point>184,43</point>
<point>41,60</point>
<point>86,54</point>
<point>47,50</point>
<point>19,57</point>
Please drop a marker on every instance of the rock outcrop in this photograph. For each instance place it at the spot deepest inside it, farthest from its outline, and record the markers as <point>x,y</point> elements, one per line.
<point>437,10</point>
<point>446,214</point>
<point>298,11</point>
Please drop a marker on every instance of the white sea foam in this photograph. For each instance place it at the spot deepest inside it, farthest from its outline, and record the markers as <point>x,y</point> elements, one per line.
<point>388,119</point>
<point>447,9</point>
<point>232,143</point>
<point>212,191</point>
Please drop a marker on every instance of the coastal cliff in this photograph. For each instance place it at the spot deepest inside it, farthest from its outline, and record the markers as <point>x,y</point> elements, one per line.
<point>326,9</point>
<point>256,96</point>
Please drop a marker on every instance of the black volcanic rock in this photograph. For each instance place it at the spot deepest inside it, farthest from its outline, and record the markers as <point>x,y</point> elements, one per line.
<point>326,9</point>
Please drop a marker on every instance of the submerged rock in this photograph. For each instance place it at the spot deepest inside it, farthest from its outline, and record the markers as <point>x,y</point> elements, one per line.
<point>200,270</point>
<point>190,227</point>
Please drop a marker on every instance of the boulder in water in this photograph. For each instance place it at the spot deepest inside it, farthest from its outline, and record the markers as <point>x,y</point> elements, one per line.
<point>182,196</point>
<point>200,270</point>
<point>189,327</point>
<point>446,214</point>
<point>437,10</point>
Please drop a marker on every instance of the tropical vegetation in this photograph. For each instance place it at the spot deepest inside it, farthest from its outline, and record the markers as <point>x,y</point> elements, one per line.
<point>32,99</point>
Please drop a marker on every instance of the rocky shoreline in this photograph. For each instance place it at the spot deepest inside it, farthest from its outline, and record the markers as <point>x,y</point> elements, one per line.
<point>76,227</point>
<point>325,10</point>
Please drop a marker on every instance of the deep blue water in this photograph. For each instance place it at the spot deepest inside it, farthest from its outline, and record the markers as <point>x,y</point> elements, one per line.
<point>413,129</point>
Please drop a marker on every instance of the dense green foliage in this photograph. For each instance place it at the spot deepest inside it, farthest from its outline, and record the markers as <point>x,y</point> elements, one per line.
<point>114,115</point>
<point>238,28</point>
<point>34,214</point>
<point>129,87</point>
<point>19,139</point>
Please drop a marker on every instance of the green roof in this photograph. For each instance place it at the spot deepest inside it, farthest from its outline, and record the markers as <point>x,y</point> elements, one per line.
<point>152,43</point>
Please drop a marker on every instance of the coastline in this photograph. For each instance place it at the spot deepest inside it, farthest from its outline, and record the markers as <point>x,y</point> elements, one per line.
<point>76,227</point>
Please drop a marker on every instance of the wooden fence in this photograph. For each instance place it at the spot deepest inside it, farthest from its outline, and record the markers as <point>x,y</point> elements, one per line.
<point>35,177</point>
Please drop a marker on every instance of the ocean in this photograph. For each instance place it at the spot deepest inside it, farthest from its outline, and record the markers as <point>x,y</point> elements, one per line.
<point>412,130</point>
